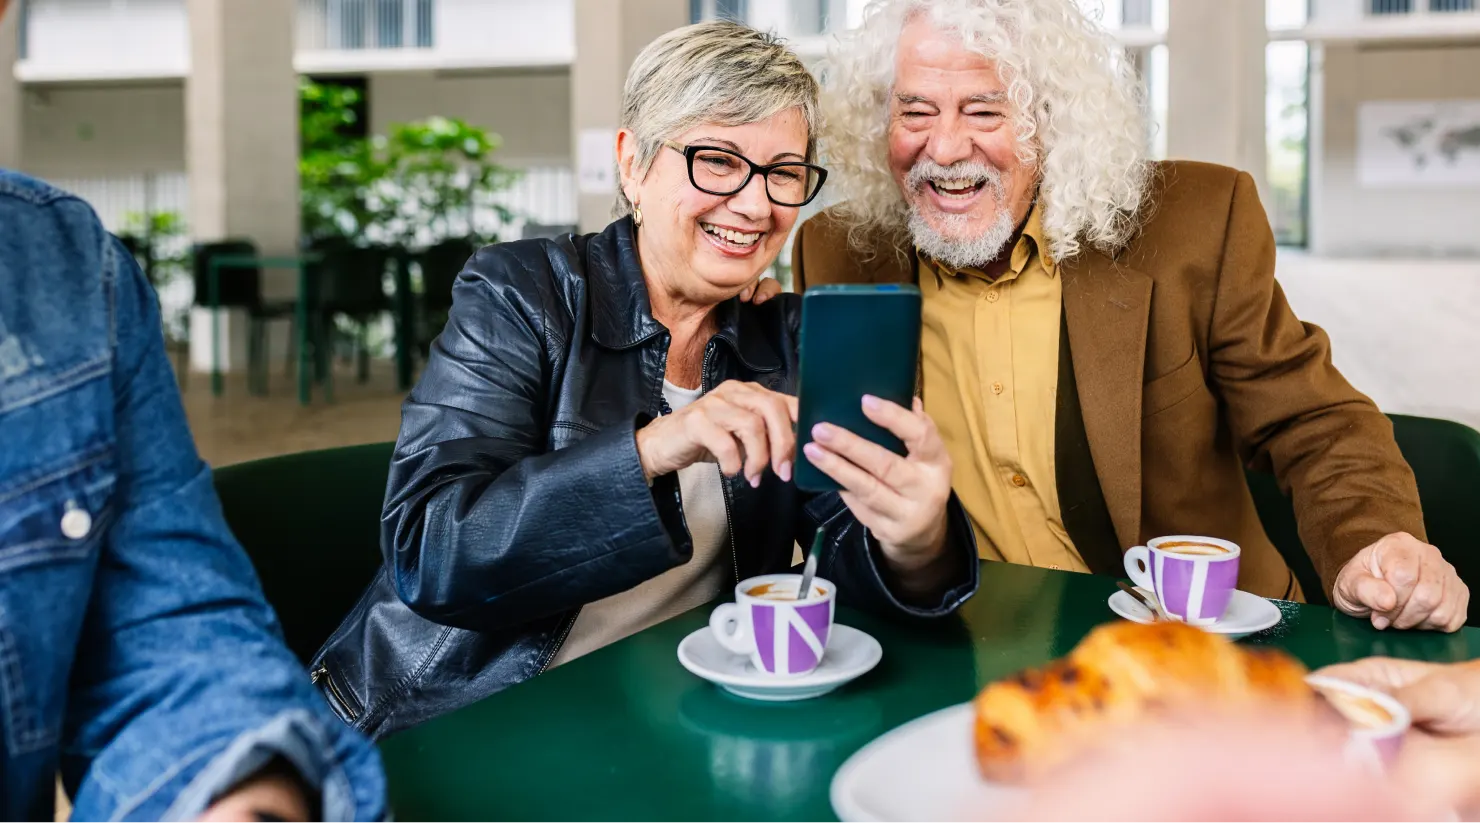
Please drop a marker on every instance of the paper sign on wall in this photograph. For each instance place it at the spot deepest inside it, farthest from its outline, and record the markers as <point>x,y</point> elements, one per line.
<point>1428,144</point>
<point>596,160</point>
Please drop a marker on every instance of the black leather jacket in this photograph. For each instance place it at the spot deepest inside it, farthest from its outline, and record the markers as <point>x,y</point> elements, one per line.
<point>516,495</point>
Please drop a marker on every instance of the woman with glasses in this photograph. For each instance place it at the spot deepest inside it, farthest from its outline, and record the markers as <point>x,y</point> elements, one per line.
<point>603,438</point>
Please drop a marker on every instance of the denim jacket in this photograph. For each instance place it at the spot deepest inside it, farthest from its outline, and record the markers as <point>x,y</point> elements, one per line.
<point>137,654</point>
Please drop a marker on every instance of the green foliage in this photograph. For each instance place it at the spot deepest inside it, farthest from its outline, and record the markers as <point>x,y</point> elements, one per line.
<point>421,183</point>
<point>164,245</point>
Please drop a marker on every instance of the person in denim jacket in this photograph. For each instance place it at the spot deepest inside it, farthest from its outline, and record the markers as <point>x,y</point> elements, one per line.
<point>138,657</point>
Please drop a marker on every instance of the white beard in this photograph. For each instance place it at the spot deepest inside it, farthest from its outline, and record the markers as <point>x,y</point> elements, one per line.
<point>953,247</point>
<point>966,253</point>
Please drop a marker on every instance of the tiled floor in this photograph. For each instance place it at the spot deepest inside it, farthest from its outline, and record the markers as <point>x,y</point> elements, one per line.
<point>238,426</point>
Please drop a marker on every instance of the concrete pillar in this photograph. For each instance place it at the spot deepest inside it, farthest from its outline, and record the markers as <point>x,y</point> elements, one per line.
<point>609,34</point>
<point>1215,83</point>
<point>241,141</point>
<point>11,97</point>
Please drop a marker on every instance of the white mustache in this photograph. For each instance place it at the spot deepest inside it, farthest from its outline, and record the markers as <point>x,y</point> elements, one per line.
<point>925,170</point>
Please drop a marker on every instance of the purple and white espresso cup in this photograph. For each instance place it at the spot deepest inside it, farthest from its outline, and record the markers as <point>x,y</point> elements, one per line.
<point>1378,721</point>
<point>782,635</point>
<point>1193,577</point>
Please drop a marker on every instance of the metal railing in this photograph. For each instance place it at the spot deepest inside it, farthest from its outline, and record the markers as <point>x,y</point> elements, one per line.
<point>1384,8</point>
<point>355,25</point>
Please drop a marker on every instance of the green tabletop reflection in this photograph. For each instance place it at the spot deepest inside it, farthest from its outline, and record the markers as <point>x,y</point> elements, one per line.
<point>626,733</point>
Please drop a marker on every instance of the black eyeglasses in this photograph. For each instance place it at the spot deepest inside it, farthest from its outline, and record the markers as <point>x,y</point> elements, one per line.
<point>723,172</point>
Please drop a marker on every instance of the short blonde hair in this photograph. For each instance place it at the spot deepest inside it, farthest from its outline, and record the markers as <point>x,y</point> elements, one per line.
<point>718,72</point>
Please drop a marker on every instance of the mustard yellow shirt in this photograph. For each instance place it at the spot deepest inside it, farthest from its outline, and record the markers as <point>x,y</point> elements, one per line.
<point>989,354</point>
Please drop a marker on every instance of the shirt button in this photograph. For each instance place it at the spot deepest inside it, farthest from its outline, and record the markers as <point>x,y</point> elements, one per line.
<point>1053,566</point>
<point>1019,481</point>
<point>76,523</point>
<point>993,296</point>
<point>996,388</point>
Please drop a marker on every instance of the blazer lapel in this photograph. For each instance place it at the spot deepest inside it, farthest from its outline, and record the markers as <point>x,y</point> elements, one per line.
<point>1107,306</point>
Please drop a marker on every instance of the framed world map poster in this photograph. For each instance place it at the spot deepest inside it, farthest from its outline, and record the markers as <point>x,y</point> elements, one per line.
<point>1419,144</point>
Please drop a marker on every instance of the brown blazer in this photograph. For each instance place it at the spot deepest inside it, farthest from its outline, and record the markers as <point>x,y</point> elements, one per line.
<point>1191,365</point>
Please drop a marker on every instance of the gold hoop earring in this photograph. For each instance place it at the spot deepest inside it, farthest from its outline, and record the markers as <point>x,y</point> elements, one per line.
<point>637,216</point>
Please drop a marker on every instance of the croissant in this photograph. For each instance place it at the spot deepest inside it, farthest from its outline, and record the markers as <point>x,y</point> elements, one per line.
<point>1036,720</point>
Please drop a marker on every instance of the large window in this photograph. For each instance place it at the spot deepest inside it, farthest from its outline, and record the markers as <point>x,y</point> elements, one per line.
<point>700,10</point>
<point>1287,124</point>
<point>366,24</point>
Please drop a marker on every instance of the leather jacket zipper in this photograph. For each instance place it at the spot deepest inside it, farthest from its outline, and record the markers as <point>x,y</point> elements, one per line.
<point>570,623</point>
<point>724,482</point>
<point>332,691</point>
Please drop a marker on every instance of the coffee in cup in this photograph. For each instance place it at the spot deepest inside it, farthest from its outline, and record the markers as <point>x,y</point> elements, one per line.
<point>1192,577</point>
<point>1191,547</point>
<point>1361,711</point>
<point>783,636</point>
<point>1377,721</point>
<point>779,591</point>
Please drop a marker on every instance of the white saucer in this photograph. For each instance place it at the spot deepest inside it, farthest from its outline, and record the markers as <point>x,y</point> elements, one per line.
<point>850,653</point>
<point>1247,613</point>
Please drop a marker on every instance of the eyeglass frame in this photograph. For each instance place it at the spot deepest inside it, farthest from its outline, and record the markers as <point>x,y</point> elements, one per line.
<point>691,151</point>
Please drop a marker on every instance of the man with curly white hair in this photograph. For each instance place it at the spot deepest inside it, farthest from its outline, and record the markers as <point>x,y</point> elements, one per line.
<point>1105,346</point>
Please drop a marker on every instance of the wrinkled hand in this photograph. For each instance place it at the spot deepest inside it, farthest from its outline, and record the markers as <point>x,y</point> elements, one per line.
<point>1402,582</point>
<point>270,796</point>
<point>1441,759</point>
<point>902,500</point>
<point>761,290</point>
<point>741,426</point>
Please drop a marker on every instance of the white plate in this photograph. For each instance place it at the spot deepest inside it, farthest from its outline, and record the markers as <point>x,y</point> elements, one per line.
<point>923,770</point>
<point>850,653</point>
<point>1247,613</point>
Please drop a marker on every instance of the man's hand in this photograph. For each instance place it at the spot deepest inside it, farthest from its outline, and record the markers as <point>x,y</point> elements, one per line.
<point>272,795</point>
<point>1402,582</point>
<point>761,290</point>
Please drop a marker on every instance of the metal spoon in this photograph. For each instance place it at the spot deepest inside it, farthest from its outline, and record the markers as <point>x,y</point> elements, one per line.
<point>810,570</point>
<point>1140,598</point>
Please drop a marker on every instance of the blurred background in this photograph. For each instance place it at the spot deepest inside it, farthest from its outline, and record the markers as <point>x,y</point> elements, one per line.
<point>302,179</point>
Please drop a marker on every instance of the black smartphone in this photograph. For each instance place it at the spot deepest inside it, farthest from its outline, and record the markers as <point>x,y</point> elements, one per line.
<point>855,340</point>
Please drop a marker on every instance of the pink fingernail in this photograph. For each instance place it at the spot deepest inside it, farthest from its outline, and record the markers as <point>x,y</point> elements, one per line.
<point>785,471</point>
<point>871,403</point>
<point>755,482</point>
<point>822,432</point>
<point>814,452</point>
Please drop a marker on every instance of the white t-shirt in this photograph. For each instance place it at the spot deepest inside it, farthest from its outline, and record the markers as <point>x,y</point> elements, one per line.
<point>676,590</point>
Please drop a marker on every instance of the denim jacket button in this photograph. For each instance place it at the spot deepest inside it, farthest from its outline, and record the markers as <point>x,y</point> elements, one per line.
<point>76,523</point>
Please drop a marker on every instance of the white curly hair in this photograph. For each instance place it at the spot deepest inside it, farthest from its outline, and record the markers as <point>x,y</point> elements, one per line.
<point>1078,111</point>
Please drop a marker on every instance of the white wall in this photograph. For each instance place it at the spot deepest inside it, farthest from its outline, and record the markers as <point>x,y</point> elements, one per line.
<point>1348,220</point>
<point>506,32</point>
<point>103,131</point>
<point>530,109</point>
<point>99,39</point>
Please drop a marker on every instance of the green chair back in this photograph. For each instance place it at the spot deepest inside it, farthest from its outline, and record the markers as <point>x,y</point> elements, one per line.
<point>310,522</point>
<point>1445,457</point>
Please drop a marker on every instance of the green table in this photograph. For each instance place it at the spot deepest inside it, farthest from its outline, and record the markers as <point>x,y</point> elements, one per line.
<point>300,264</point>
<point>627,734</point>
